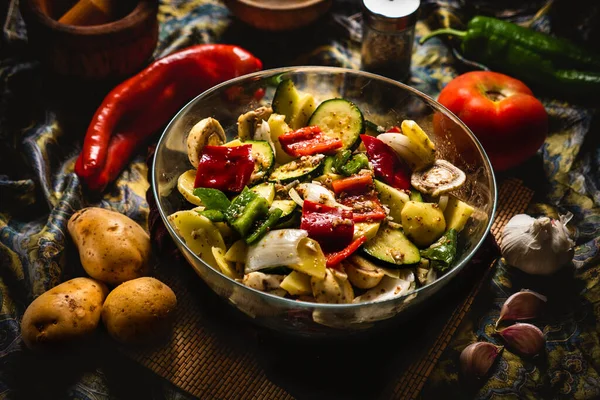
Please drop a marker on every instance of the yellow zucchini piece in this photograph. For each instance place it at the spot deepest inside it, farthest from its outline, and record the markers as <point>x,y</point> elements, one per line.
<point>234,143</point>
<point>413,131</point>
<point>368,229</point>
<point>457,213</point>
<point>297,284</point>
<point>278,127</point>
<point>312,259</point>
<point>226,267</point>
<point>237,252</point>
<point>423,223</point>
<point>185,185</point>
<point>393,198</point>
<point>302,111</point>
<point>199,234</point>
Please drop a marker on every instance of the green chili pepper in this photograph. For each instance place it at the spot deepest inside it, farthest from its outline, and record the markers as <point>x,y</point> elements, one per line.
<point>355,164</point>
<point>554,63</point>
<point>341,158</point>
<point>244,210</point>
<point>213,215</point>
<point>266,226</point>
<point>212,199</point>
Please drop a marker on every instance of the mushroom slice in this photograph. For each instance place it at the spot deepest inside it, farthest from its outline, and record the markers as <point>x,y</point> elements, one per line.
<point>334,288</point>
<point>206,132</point>
<point>440,178</point>
<point>248,122</point>
<point>263,282</point>
<point>362,273</point>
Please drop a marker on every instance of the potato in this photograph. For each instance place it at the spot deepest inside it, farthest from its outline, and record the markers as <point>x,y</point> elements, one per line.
<point>423,223</point>
<point>139,311</point>
<point>113,248</point>
<point>68,312</point>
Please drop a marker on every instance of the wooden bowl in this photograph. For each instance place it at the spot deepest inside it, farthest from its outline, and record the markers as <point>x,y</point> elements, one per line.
<point>278,15</point>
<point>109,51</point>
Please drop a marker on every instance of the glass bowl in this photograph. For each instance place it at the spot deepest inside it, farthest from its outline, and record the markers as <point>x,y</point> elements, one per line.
<point>383,101</point>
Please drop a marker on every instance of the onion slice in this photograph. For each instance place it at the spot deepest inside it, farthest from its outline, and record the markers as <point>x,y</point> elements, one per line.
<point>319,194</point>
<point>443,202</point>
<point>263,132</point>
<point>276,248</point>
<point>389,287</point>
<point>405,148</point>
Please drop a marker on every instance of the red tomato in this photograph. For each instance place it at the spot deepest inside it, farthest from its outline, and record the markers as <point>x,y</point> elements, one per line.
<point>501,111</point>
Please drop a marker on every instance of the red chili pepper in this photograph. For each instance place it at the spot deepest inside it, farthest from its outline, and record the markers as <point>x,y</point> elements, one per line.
<point>332,227</point>
<point>307,141</point>
<point>394,129</point>
<point>150,99</point>
<point>337,257</point>
<point>353,184</point>
<point>366,207</point>
<point>225,168</point>
<point>386,164</point>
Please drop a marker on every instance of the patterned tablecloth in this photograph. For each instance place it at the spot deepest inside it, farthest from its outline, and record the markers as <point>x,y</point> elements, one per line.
<point>41,131</point>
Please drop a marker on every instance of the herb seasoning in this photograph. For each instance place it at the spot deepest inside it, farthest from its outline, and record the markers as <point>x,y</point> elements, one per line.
<point>388,34</point>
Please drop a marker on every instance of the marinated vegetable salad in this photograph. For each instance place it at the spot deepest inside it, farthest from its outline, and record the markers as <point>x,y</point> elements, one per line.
<point>316,204</point>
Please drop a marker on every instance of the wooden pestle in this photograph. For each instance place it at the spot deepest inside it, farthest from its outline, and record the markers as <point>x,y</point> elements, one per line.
<point>90,12</point>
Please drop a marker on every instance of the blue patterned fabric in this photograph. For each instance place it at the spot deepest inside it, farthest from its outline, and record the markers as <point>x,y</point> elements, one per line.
<point>40,138</point>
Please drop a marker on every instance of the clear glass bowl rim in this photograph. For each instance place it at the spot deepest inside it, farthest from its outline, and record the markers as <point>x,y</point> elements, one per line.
<point>298,304</point>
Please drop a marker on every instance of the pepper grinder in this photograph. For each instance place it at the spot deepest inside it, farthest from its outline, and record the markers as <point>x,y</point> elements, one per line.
<point>388,35</point>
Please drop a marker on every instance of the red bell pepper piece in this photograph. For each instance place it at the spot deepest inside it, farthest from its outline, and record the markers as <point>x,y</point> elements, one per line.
<point>337,257</point>
<point>225,168</point>
<point>354,184</point>
<point>307,141</point>
<point>394,129</point>
<point>150,99</point>
<point>332,227</point>
<point>386,164</point>
<point>366,207</point>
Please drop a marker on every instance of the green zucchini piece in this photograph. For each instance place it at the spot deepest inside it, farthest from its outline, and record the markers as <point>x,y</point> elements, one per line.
<point>263,157</point>
<point>373,129</point>
<point>415,195</point>
<point>266,190</point>
<point>302,169</point>
<point>392,247</point>
<point>340,119</point>
<point>286,206</point>
<point>291,221</point>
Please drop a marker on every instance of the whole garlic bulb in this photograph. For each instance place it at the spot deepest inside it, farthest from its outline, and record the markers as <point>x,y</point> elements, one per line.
<point>537,246</point>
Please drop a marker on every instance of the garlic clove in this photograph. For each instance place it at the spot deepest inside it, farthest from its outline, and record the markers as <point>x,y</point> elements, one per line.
<point>522,305</point>
<point>526,339</point>
<point>477,359</point>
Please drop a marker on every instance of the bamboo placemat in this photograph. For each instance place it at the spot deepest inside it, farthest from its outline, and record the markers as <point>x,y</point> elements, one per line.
<point>198,361</point>
<point>513,198</point>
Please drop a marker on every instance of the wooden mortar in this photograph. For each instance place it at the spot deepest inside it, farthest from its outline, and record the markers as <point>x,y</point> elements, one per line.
<point>110,51</point>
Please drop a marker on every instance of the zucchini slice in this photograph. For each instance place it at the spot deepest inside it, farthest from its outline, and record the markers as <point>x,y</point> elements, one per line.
<point>263,157</point>
<point>287,206</point>
<point>302,169</point>
<point>392,247</point>
<point>340,119</point>
<point>297,106</point>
